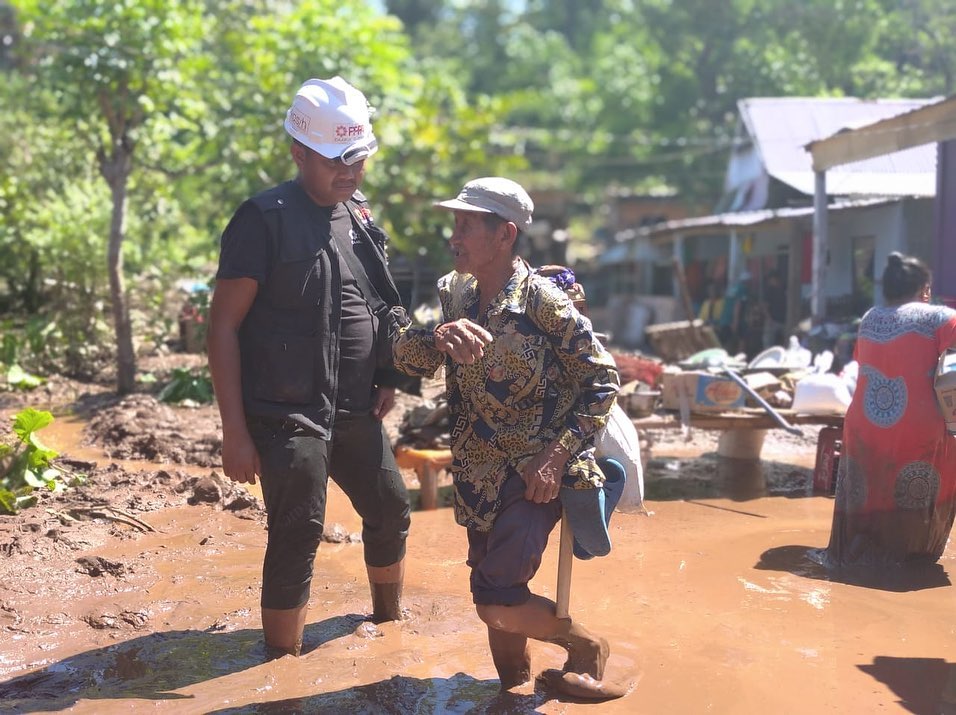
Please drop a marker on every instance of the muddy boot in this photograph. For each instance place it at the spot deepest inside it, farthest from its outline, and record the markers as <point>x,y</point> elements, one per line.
<point>511,656</point>
<point>581,686</point>
<point>587,653</point>
<point>282,630</point>
<point>386,602</point>
<point>386,585</point>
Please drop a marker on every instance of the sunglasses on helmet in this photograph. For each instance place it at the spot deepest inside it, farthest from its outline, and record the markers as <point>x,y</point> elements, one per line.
<point>359,151</point>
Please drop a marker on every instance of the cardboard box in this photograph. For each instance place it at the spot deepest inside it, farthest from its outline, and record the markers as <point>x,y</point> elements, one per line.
<point>705,392</point>
<point>945,384</point>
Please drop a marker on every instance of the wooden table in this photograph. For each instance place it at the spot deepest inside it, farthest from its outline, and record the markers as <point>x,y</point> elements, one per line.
<point>742,435</point>
<point>742,431</point>
<point>427,463</point>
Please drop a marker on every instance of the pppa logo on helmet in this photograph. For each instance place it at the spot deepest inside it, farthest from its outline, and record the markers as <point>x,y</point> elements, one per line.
<point>349,132</point>
<point>331,117</point>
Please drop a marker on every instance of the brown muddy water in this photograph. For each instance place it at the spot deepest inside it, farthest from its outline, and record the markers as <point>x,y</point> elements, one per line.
<point>708,601</point>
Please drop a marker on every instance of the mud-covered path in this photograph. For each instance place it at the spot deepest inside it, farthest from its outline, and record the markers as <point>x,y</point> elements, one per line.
<point>709,606</point>
<point>708,602</point>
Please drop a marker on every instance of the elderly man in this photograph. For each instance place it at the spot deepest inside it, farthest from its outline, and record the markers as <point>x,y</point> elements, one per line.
<point>528,386</point>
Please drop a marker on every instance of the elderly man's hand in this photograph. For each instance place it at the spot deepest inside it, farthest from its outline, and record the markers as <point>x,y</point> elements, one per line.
<point>542,475</point>
<point>462,340</point>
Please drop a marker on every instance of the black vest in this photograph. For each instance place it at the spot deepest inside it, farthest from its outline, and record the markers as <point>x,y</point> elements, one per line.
<point>289,338</point>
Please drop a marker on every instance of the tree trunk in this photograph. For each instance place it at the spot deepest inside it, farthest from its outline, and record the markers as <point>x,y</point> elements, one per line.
<point>117,170</point>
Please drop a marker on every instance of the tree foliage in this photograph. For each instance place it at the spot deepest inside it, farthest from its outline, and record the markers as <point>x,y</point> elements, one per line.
<point>151,120</point>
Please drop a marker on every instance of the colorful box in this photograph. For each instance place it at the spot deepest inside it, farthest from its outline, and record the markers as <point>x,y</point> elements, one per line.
<point>945,384</point>
<point>704,391</point>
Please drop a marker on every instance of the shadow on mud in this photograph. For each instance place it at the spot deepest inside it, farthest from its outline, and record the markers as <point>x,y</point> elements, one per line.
<point>152,666</point>
<point>797,560</point>
<point>923,685</point>
<point>712,477</point>
<point>401,694</point>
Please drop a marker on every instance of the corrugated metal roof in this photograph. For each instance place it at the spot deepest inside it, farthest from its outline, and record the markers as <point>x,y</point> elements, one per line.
<point>750,219</point>
<point>781,127</point>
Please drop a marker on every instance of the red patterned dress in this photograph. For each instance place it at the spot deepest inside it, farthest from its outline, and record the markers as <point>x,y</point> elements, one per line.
<point>896,486</point>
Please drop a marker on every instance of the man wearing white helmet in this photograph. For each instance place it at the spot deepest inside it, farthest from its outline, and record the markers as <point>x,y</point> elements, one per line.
<point>299,342</point>
<point>528,387</point>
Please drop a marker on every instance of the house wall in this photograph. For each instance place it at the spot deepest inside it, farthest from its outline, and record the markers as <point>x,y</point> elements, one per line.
<point>918,223</point>
<point>883,223</point>
<point>770,241</point>
<point>904,226</point>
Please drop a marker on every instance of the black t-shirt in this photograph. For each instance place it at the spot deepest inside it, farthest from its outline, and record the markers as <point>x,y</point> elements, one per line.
<point>357,335</point>
<point>246,251</point>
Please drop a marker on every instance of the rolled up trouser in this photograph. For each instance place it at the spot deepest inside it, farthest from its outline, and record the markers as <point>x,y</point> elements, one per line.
<point>295,466</point>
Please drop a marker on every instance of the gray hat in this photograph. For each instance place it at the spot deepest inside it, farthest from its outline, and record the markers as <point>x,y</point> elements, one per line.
<point>494,195</point>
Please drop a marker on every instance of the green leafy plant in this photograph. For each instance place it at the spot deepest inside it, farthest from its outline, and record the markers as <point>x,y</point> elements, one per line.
<point>27,464</point>
<point>19,378</point>
<point>186,386</point>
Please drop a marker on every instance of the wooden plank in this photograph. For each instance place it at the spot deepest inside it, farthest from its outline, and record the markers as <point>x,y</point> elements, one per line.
<point>926,125</point>
<point>742,419</point>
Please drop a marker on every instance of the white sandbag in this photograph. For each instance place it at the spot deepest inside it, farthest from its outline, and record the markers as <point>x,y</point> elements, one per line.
<point>618,440</point>
<point>850,374</point>
<point>821,394</point>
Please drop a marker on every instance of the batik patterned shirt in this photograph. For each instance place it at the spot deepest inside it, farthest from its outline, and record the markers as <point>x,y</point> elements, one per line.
<point>543,378</point>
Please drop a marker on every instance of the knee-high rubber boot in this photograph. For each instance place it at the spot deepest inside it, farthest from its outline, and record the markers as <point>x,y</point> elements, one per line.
<point>282,629</point>
<point>385,583</point>
<point>511,656</point>
<point>587,653</point>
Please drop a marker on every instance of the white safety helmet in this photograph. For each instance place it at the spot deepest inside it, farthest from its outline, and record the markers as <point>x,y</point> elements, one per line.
<point>331,117</point>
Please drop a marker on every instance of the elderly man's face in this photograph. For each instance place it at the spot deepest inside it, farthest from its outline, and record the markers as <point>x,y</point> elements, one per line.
<point>475,245</point>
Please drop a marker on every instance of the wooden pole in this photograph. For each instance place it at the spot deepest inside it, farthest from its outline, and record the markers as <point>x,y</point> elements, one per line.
<point>565,560</point>
<point>428,481</point>
<point>688,304</point>
<point>818,303</point>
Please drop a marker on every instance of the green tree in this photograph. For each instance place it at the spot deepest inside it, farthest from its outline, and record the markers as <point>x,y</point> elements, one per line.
<point>117,71</point>
<point>617,91</point>
<point>432,135</point>
<point>415,14</point>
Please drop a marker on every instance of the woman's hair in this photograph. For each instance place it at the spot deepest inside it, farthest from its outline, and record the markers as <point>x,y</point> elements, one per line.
<point>903,276</point>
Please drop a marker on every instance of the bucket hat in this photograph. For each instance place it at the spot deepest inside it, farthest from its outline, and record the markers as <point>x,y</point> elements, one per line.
<point>494,195</point>
<point>589,510</point>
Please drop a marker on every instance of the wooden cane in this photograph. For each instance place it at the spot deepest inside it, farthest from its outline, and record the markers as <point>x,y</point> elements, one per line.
<point>565,560</point>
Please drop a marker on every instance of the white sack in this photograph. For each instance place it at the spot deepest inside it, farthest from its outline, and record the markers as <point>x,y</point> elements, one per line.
<point>821,394</point>
<point>618,440</point>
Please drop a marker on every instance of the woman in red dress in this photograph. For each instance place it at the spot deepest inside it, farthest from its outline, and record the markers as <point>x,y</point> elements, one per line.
<point>896,486</point>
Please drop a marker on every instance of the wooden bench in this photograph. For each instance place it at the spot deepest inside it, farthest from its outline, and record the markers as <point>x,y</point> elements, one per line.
<point>742,431</point>
<point>427,463</point>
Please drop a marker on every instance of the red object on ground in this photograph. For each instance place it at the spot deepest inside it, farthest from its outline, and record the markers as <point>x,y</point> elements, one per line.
<point>635,367</point>
<point>828,459</point>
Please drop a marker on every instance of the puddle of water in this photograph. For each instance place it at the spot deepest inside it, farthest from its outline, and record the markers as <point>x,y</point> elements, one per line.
<point>712,477</point>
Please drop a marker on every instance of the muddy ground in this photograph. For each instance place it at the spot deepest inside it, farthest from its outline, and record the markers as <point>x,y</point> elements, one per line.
<point>138,590</point>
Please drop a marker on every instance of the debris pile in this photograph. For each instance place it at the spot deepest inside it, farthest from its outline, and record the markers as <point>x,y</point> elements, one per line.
<point>425,426</point>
